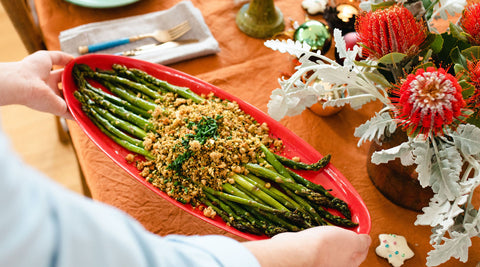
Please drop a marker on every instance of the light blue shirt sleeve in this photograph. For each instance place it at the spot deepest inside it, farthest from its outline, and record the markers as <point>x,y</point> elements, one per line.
<point>42,225</point>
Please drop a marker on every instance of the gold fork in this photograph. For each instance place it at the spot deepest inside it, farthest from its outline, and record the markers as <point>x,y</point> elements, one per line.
<point>161,36</point>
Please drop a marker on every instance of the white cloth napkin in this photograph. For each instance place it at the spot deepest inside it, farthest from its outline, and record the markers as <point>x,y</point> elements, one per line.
<point>96,32</point>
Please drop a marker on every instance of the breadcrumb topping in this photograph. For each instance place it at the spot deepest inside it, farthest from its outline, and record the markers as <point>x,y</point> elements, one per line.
<point>200,144</point>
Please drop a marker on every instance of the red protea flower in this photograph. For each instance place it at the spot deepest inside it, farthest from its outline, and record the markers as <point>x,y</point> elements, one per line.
<point>473,70</point>
<point>429,100</point>
<point>470,22</point>
<point>393,29</point>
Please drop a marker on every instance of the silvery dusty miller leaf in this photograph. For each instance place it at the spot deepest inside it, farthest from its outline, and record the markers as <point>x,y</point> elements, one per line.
<point>375,128</point>
<point>467,139</point>
<point>402,151</point>
<point>445,172</point>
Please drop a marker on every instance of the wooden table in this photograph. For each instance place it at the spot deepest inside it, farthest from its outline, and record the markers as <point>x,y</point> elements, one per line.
<point>247,69</point>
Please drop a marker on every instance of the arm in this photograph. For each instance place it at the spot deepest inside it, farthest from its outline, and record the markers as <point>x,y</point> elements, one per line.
<point>34,83</point>
<point>43,225</point>
<point>326,246</point>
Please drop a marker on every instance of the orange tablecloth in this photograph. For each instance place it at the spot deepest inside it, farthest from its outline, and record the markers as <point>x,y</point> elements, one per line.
<point>245,68</point>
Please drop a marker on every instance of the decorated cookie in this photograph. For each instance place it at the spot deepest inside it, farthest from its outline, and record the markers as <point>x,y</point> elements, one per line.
<point>394,248</point>
<point>314,7</point>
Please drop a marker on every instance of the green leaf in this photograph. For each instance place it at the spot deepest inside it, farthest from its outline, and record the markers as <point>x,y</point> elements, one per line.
<point>458,68</point>
<point>378,79</point>
<point>392,58</point>
<point>458,58</point>
<point>465,114</point>
<point>468,89</point>
<point>365,64</point>
<point>457,33</point>
<point>437,43</point>
<point>428,5</point>
<point>433,41</point>
<point>426,56</point>
<point>472,53</point>
<point>474,120</point>
<point>449,43</point>
<point>424,66</point>
<point>382,5</point>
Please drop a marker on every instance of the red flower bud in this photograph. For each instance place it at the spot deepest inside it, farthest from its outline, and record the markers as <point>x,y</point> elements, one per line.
<point>470,22</point>
<point>393,29</point>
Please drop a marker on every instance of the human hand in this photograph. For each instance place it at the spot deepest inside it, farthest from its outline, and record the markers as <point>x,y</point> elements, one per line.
<point>34,83</point>
<point>326,246</point>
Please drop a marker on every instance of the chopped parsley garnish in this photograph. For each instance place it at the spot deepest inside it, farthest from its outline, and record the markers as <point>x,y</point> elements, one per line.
<point>205,129</point>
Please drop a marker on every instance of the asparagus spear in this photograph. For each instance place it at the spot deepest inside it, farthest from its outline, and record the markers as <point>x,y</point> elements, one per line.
<point>257,192</point>
<point>134,100</point>
<point>273,227</point>
<point>274,192</point>
<point>280,222</point>
<point>243,201</point>
<point>96,112</point>
<point>84,85</point>
<point>230,217</point>
<point>253,204</point>
<point>230,189</point>
<point>127,145</point>
<point>224,207</point>
<point>334,219</point>
<point>108,81</point>
<point>105,118</point>
<point>272,160</point>
<point>250,195</point>
<point>137,124</point>
<point>288,182</point>
<point>334,203</point>
<point>112,99</point>
<point>137,94</point>
<point>184,92</point>
<point>297,218</point>
<point>126,82</point>
<point>125,120</point>
<point>306,206</point>
<point>125,72</point>
<point>296,165</point>
<point>258,222</point>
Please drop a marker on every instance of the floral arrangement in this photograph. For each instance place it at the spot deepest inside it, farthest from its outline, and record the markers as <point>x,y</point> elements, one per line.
<point>429,85</point>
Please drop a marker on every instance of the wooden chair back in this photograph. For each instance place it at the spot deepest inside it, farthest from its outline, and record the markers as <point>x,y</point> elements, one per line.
<point>22,15</point>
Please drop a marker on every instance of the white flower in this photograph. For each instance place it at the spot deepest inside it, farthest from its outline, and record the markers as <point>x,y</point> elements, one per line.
<point>314,6</point>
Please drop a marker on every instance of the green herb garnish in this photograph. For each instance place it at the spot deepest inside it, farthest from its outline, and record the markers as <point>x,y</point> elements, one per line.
<point>205,129</point>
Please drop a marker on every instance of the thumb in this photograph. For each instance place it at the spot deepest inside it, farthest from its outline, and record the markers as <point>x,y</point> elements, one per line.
<point>60,58</point>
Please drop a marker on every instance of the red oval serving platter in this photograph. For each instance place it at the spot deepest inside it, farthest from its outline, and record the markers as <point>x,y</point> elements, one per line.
<point>329,177</point>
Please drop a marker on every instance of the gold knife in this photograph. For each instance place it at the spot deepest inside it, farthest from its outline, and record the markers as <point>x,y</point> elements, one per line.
<point>145,48</point>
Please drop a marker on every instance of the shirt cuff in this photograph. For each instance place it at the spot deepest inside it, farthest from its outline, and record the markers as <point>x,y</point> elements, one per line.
<point>227,251</point>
